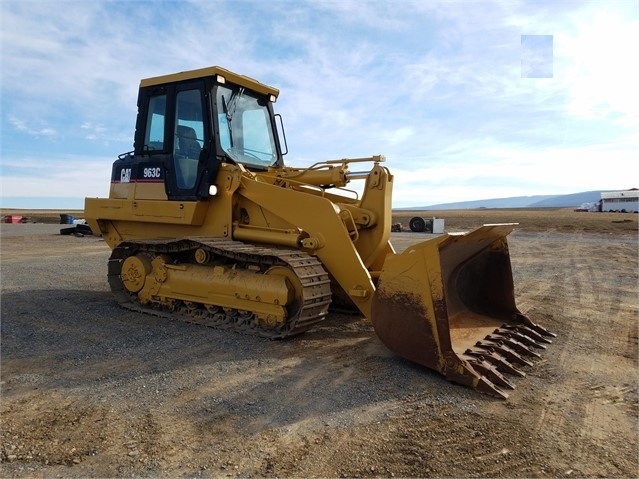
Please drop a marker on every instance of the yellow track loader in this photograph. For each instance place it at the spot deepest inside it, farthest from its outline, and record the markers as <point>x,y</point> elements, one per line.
<point>206,223</point>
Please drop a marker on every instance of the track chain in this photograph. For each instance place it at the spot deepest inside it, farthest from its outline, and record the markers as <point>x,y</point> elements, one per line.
<point>316,290</point>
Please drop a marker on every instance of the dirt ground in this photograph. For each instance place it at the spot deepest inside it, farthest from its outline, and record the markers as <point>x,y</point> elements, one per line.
<point>89,389</point>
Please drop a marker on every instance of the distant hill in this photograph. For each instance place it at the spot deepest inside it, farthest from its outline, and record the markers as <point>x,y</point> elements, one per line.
<point>574,199</point>
<point>536,201</point>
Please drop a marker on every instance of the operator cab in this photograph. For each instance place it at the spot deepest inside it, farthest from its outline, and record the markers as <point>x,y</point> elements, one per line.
<point>189,123</point>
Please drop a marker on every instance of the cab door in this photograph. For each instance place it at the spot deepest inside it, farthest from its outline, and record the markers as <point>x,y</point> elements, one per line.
<point>190,134</point>
<point>188,139</point>
<point>173,142</point>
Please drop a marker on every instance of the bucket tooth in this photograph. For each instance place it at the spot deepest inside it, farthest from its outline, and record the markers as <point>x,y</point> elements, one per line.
<point>513,344</point>
<point>525,330</point>
<point>485,369</point>
<point>526,322</point>
<point>497,360</point>
<point>487,387</point>
<point>518,336</point>
<point>504,350</point>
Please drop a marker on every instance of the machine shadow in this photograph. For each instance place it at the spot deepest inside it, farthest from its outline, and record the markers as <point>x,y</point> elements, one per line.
<point>83,343</point>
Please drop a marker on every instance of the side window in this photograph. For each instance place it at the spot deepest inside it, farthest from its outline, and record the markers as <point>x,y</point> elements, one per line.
<point>189,137</point>
<point>154,135</point>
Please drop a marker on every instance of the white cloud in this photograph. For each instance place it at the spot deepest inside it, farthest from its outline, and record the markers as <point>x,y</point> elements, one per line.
<point>55,177</point>
<point>436,86</point>
<point>600,67</point>
<point>398,135</point>
<point>39,130</point>
<point>497,172</point>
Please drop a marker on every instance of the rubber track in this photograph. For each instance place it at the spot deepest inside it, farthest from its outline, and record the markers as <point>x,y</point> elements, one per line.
<point>316,290</point>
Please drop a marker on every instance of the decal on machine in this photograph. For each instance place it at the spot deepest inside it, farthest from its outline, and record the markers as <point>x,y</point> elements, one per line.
<point>125,175</point>
<point>152,173</point>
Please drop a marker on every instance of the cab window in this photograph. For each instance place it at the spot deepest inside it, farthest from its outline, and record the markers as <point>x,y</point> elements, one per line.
<point>244,120</point>
<point>154,135</point>
<point>188,137</point>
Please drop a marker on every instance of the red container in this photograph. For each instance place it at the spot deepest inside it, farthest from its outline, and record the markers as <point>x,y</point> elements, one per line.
<point>13,219</point>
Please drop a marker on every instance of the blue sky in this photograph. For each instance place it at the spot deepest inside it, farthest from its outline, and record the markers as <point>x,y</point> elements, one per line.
<point>467,100</point>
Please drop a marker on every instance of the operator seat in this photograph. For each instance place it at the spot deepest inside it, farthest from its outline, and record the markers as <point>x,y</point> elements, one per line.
<point>188,145</point>
<point>186,156</point>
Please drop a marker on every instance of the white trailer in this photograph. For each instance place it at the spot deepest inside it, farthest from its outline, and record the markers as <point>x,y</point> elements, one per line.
<point>626,201</point>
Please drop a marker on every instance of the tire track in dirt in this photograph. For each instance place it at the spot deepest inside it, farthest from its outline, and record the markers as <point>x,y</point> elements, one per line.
<point>600,329</point>
<point>153,398</point>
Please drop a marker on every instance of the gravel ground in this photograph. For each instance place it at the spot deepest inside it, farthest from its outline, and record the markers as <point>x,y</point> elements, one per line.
<point>93,390</point>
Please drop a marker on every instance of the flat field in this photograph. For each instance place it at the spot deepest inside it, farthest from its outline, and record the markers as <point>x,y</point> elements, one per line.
<point>545,219</point>
<point>89,389</point>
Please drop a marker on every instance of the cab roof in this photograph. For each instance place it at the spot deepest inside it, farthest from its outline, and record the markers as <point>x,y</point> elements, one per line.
<point>229,76</point>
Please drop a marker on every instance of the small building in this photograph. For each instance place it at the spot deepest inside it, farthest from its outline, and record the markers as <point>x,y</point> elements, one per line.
<point>626,201</point>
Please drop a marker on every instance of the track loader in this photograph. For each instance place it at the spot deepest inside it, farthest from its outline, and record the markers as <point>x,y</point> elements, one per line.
<point>206,223</point>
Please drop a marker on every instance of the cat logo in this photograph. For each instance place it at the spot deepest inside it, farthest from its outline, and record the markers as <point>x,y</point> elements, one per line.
<point>125,175</point>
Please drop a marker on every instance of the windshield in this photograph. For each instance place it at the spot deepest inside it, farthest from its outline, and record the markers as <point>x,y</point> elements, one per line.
<point>246,134</point>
